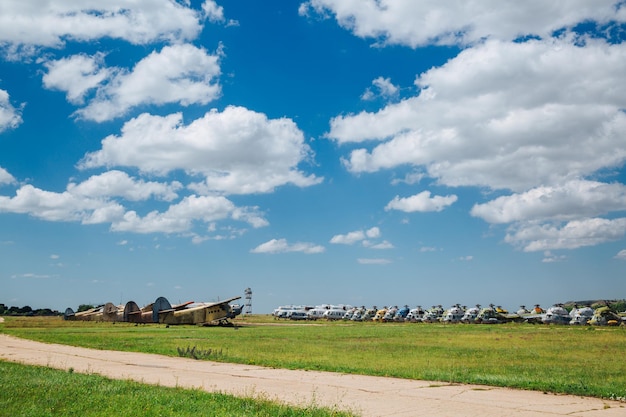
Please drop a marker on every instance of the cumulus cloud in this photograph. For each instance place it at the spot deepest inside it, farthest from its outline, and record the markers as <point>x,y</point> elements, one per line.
<point>382,245</point>
<point>182,74</point>
<point>421,202</point>
<point>63,206</point>
<point>99,200</point>
<point>381,87</point>
<point>574,234</point>
<point>76,75</point>
<point>504,116</point>
<point>621,255</point>
<point>275,246</point>
<point>356,236</point>
<point>419,23</point>
<point>558,217</point>
<point>574,199</point>
<point>5,177</point>
<point>24,26</point>
<point>237,151</point>
<point>180,217</point>
<point>529,106</point>
<point>10,117</point>
<point>119,184</point>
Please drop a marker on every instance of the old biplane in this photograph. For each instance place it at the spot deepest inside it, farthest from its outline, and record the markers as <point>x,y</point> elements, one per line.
<point>201,313</point>
<point>150,313</point>
<point>104,312</point>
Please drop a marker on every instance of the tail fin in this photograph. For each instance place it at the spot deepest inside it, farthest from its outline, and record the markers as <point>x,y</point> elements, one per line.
<point>69,314</point>
<point>160,304</point>
<point>132,312</point>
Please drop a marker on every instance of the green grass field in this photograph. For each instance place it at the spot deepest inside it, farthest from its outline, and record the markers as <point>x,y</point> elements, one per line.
<point>31,391</point>
<point>562,359</point>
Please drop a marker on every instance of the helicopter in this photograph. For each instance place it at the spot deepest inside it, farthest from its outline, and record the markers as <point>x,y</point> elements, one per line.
<point>556,314</point>
<point>605,316</point>
<point>581,316</point>
<point>454,314</point>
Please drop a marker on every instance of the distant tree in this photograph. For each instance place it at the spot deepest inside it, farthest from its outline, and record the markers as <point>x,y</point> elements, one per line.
<point>44,312</point>
<point>84,307</point>
<point>25,310</point>
<point>3,308</point>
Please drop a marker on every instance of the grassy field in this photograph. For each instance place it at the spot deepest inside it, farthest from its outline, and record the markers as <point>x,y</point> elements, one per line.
<point>30,391</point>
<point>561,359</point>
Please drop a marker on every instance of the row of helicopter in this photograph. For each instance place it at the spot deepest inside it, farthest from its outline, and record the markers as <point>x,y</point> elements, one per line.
<point>161,311</point>
<point>557,314</point>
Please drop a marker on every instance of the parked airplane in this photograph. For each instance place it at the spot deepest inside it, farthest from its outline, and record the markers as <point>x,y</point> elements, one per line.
<point>201,313</point>
<point>104,312</point>
<point>87,315</point>
<point>149,313</point>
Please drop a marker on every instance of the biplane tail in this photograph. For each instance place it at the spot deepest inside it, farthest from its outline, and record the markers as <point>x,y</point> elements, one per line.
<point>69,314</point>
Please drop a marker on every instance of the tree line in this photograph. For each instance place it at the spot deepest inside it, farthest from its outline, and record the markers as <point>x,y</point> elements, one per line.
<point>26,311</point>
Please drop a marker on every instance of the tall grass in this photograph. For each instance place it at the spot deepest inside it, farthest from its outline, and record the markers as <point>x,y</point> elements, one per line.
<point>561,359</point>
<point>29,391</point>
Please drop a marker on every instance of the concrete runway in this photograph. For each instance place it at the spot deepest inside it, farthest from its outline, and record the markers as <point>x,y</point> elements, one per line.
<point>366,396</point>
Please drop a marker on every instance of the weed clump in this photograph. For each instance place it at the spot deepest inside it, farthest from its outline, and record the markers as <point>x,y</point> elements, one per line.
<point>193,352</point>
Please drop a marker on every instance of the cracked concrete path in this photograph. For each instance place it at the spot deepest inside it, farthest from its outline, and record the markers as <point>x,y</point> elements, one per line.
<point>366,396</point>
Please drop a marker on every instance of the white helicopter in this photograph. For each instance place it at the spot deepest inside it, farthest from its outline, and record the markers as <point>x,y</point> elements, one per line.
<point>454,314</point>
<point>581,316</point>
<point>556,314</point>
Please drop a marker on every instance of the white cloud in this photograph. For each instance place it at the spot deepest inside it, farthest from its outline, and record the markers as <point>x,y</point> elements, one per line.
<point>356,236</point>
<point>574,234</point>
<point>238,151</point>
<point>182,74</point>
<point>94,202</point>
<point>364,237</point>
<point>25,25</point>
<point>382,245</point>
<point>10,117</point>
<point>5,177</point>
<point>421,202</point>
<point>76,75</point>
<point>212,11</point>
<point>373,261</point>
<point>419,23</point>
<point>621,255</point>
<point>119,184</point>
<point>549,257</point>
<point>63,206</point>
<point>349,238</point>
<point>180,217</point>
<point>571,200</point>
<point>504,116</point>
<point>381,87</point>
<point>282,246</point>
<point>410,178</point>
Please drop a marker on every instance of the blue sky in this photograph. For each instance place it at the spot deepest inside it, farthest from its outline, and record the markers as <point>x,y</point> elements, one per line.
<point>325,151</point>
